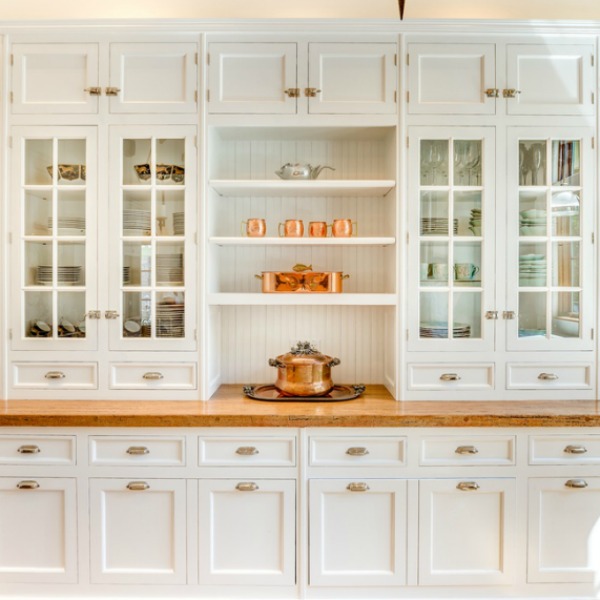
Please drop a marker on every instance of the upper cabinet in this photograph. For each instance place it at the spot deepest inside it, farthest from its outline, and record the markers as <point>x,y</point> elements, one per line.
<point>151,78</point>
<point>294,78</point>
<point>533,78</point>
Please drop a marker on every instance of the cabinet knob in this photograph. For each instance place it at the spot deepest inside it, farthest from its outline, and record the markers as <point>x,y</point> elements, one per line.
<point>311,92</point>
<point>548,376</point>
<point>467,486</point>
<point>92,314</point>
<point>450,377</point>
<point>292,92</point>
<point>466,450</point>
<point>247,451</point>
<point>153,376</point>
<point>93,91</point>
<point>246,486</point>
<point>359,486</point>
<point>54,375</point>
<point>111,314</point>
<point>112,91</point>
<point>28,484</point>
<point>357,451</point>
<point>575,449</point>
<point>492,92</point>
<point>28,449</point>
<point>137,450</point>
<point>576,483</point>
<point>510,93</point>
<point>138,486</point>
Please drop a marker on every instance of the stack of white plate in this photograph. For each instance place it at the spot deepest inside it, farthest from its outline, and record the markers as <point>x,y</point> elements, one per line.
<point>475,221</point>
<point>169,269</point>
<point>65,275</point>
<point>178,223</point>
<point>136,221</point>
<point>532,222</point>
<point>439,329</point>
<point>126,275</point>
<point>68,226</point>
<point>170,320</point>
<point>532,270</point>
<point>436,226</point>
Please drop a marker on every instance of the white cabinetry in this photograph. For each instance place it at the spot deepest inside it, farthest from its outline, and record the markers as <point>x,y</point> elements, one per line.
<point>157,77</point>
<point>292,77</point>
<point>536,77</point>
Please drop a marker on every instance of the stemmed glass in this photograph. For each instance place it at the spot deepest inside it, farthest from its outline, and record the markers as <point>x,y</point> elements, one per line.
<point>435,160</point>
<point>536,162</point>
<point>472,161</point>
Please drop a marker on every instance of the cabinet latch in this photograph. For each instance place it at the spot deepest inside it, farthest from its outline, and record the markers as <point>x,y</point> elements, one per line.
<point>112,91</point>
<point>509,314</point>
<point>510,93</point>
<point>311,92</point>
<point>111,314</point>
<point>492,92</point>
<point>93,314</point>
<point>93,91</point>
<point>292,92</point>
<point>491,315</point>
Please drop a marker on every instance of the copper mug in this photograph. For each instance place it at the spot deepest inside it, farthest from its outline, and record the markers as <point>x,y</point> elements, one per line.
<point>342,227</point>
<point>255,227</point>
<point>292,228</point>
<point>317,229</point>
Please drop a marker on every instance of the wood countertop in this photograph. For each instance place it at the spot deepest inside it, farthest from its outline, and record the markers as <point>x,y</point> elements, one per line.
<point>230,408</point>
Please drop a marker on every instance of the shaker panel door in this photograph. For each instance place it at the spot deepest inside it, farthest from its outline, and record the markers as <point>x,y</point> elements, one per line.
<point>451,79</point>
<point>352,78</point>
<point>153,78</point>
<point>252,78</point>
<point>55,78</point>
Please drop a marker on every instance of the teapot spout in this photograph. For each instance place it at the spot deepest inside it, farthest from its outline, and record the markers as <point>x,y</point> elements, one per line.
<point>315,171</point>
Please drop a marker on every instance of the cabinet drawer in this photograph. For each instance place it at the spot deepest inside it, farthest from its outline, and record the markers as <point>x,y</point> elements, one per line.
<point>564,449</point>
<point>451,376</point>
<point>127,450</point>
<point>544,376</point>
<point>149,376</point>
<point>54,376</point>
<point>357,451</point>
<point>254,451</point>
<point>37,450</point>
<point>472,450</point>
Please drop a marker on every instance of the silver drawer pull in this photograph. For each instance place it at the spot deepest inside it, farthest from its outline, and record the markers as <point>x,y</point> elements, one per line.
<point>450,377</point>
<point>466,450</point>
<point>246,486</point>
<point>28,484</point>
<point>357,451</point>
<point>247,451</point>
<point>54,375</point>
<point>575,449</point>
<point>137,450</point>
<point>548,376</point>
<point>467,486</point>
<point>153,376</point>
<point>138,486</point>
<point>360,486</point>
<point>576,483</point>
<point>28,449</point>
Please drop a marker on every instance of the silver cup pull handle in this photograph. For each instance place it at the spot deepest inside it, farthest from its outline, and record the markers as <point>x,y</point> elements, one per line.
<point>548,376</point>
<point>137,450</point>
<point>28,449</point>
<point>450,377</point>
<point>357,451</point>
<point>357,486</point>
<point>138,486</point>
<point>54,375</point>
<point>466,450</point>
<point>247,451</point>
<point>246,486</point>
<point>153,376</point>
<point>575,449</point>
<point>467,486</point>
<point>28,484</point>
<point>576,483</point>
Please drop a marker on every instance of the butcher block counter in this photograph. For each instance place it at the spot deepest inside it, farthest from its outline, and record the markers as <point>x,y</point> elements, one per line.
<point>230,408</point>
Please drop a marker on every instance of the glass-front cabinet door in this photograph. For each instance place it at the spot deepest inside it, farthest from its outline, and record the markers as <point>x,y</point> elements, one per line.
<point>451,238</point>
<point>550,251</point>
<point>153,238</point>
<point>53,238</point>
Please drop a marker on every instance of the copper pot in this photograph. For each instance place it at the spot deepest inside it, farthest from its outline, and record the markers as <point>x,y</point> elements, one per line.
<point>304,371</point>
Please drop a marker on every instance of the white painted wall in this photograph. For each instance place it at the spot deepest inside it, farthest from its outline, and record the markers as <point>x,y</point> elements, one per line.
<point>318,9</point>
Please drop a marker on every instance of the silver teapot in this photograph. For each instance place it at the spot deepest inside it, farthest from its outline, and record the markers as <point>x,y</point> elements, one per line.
<point>300,171</point>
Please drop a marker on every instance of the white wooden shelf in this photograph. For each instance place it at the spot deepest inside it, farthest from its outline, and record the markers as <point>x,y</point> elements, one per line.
<point>301,241</point>
<point>310,188</point>
<point>301,299</point>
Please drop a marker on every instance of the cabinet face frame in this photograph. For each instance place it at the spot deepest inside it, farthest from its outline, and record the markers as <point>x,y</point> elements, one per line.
<point>56,193</point>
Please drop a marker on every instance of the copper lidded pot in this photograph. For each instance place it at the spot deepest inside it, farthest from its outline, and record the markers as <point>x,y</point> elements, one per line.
<point>304,371</point>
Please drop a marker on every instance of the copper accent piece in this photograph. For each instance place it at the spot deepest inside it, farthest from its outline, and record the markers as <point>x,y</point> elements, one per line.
<point>317,229</point>
<point>255,227</point>
<point>304,371</point>
<point>341,228</point>
<point>292,228</point>
<point>302,280</point>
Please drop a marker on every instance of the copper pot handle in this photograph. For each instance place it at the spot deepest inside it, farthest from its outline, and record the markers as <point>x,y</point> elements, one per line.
<point>273,362</point>
<point>334,362</point>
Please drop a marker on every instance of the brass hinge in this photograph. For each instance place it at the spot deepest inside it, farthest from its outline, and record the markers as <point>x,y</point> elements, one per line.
<point>593,101</point>
<point>10,334</point>
<point>12,97</point>
<point>195,334</point>
<point>12,60</point>
<point>407,59</point>
<point>196,96</point>
<point>407,97</point>
<point>10,140</point>
<point>208,95</point>
<point>592,333</point>
<point>407,141</point>
<point>395,96</point>
<point>407,338</point>
<point>407,237</point>
<point>195,141</point>
<point>592,59</point>
<point>208,58</point>
<point>395,60</point>
<point>593,238</point>
<point>593,142</point>
<point>196,58</point>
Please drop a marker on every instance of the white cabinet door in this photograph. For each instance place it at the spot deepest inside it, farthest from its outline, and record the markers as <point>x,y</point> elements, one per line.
<point>38,530</point>
<point>55,78</point>
<point>351,78</point>
<point>138,531</point>
<point>448,78</point>
<point>153,78</point>
<point>247,532</point>
<point>357,532</point>
<point>252,78</point>
<point>550,79</point>
<point>466,531</point>
<point>564,537</point>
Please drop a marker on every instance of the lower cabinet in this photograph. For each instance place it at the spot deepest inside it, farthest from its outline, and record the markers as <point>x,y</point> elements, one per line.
<point>247,531</point>
<point>564,529</point>
<point>38,530</point>
<point>138,530</point>
<point>466,531</point>
<point>357,531</point>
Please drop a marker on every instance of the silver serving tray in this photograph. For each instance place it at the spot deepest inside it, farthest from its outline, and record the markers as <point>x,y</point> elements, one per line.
<point>271,393</point>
